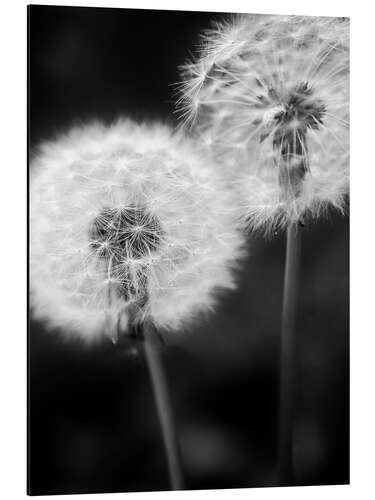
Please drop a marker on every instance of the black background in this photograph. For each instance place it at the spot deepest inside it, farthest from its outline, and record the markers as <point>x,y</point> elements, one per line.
<point>92,421</point>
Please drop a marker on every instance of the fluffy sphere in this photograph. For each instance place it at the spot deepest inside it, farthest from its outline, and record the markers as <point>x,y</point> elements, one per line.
<point>269,95</point>
<point>127,222</point>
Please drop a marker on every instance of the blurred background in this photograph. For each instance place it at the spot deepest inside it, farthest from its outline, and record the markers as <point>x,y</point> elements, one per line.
<point>92,420</point>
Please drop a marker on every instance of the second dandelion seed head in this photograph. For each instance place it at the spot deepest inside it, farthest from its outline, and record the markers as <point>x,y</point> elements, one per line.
<point>269,96</point>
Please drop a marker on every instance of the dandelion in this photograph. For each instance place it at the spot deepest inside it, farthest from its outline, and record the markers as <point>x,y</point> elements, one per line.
<point>130,230</point>
<point>127,222</point>
<point>270,96</point>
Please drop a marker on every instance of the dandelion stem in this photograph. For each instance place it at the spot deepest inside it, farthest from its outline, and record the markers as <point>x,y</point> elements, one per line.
<point>287,355</point>
<point>163,405</point>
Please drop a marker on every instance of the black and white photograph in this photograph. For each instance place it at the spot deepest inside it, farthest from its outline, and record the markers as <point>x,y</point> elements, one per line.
<point>188,237</point>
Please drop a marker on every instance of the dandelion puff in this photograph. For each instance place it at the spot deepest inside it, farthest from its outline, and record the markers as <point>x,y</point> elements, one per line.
<point>127,222</point>
<point>269,95</point>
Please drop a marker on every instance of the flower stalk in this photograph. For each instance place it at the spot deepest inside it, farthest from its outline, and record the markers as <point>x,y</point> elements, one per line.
<point>163,404</point>
<point>288,355</point>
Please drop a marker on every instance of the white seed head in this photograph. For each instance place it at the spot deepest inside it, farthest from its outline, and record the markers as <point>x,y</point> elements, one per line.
<point>269,95</point>
<point>126,222</point>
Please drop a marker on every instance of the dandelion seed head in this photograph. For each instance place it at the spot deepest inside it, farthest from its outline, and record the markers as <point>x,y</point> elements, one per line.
<point>126,222</point>
<point>269,96</point>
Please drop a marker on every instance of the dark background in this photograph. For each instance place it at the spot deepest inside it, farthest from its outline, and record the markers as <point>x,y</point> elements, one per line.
<point>92,420</point>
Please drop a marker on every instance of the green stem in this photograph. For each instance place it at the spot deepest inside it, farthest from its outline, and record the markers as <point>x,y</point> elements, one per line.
<point>287,355</point>
<point>163,405</point>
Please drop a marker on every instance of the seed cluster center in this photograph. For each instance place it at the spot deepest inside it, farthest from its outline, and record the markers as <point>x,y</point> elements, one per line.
<point>124,238</point>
